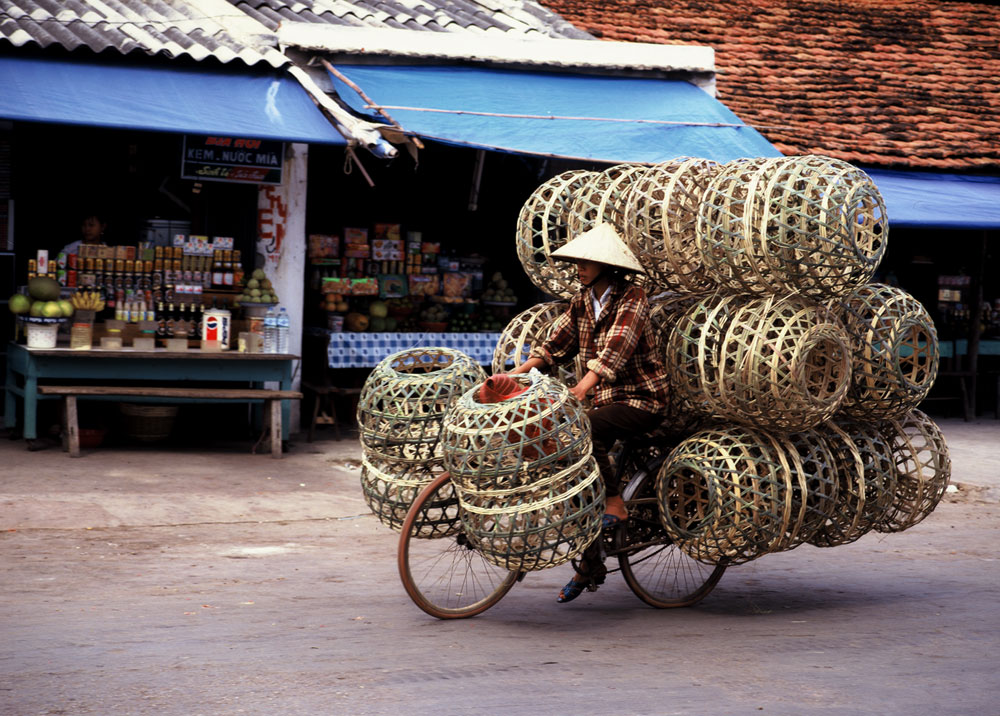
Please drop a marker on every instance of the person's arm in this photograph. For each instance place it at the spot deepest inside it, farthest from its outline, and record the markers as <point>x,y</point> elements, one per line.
<point>563,341</point>
<point>625,329</point>
<point>586,384</point>
<point>533,362</point>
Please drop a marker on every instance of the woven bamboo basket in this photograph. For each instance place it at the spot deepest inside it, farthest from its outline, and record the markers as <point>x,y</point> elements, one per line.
<point>730,256</point>
<point>694,349</point>
<point>774,363</point>
<point>866,481</point>
<point>923,469</point>
<point>810,224</point>
<point>542,227</point>
<point>391,486</point>
<point>665,310</point>
<point>725,495</point>
<point>530,492</point>
<point>895,349</point>
<point>816,493</point>
<point>527,330</point>
<point>604,198</point>
<point>401,411</point>
<point>661,218</point>
<point>784,366</point>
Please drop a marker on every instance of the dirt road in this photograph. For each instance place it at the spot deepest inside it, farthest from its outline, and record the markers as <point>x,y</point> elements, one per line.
<point>224,583</point>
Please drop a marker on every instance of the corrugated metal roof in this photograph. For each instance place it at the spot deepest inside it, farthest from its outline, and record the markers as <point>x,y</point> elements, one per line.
<point>517,17</point>
<point>199,29</point>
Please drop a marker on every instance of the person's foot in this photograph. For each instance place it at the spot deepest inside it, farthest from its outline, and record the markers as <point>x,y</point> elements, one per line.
<point>573,589</point>
<point>615,506</point>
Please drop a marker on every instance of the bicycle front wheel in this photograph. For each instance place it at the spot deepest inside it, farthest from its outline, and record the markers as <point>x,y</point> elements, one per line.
<point>654,568</point>
<point>441,571</point>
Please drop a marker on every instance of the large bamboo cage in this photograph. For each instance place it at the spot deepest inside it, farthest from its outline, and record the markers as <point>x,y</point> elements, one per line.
<point>815,494</point>
<point>785,364</point>
<point>400,415</point>
<point>604,199</point>
<point>694,349</point>
<point>542,227</point>
<point>895,349</point>
<point>530,491</point>
<point>391,486</point>
<point>866,481</point>
<point>404,399</point>
<point>776,363</point>
<point>808,224</point>
<point>665,310</point>
<point>726,495</point>
<point>923,469</point>
<point>661,219</point>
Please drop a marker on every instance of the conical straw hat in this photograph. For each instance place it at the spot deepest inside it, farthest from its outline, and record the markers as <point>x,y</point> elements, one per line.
<point>601,244</point>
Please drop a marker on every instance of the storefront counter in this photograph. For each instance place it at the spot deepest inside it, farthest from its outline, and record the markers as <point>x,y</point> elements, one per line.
<point>366,350</point>
<point>27,366</point>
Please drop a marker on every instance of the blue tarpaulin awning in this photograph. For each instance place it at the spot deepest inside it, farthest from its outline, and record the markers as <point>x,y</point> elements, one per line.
<point>589,117</point>
<point>947,201</point>
<point>163,99</point>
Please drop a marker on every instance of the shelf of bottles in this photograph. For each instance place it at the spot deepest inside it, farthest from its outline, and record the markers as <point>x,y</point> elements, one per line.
<point>173,288</point>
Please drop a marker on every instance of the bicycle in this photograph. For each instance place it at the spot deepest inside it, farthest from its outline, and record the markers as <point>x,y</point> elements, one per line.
<point>447,578</point>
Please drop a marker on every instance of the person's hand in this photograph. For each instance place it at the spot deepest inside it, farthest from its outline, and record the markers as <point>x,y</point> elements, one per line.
<point>579,393</point>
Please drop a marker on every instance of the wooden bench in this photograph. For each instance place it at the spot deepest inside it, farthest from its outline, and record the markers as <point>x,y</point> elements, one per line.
<point>271,400</point>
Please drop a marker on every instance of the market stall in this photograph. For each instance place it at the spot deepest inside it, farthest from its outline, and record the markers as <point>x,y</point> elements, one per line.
<point>28,367</point>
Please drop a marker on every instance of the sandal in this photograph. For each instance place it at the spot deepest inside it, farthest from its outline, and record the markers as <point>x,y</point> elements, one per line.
<point>571,591</point>
<point>609,520</point>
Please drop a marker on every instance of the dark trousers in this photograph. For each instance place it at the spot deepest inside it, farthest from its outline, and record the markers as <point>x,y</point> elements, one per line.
<point>617,422</point>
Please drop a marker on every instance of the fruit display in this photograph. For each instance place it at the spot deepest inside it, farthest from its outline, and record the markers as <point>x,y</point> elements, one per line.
<point>42,301</point>
<point>497,291</point>
<point>87,301</point>
<point>257,289</point>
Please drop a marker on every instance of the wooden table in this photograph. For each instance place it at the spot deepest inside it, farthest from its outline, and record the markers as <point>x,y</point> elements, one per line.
<point>27,366</point>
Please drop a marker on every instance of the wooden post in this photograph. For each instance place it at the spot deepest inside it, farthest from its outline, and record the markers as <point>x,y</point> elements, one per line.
<point>275,409</point>
<point>72,427</point>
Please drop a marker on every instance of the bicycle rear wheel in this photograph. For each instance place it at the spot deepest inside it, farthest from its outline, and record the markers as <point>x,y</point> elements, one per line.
<point>441,571</point>
<point>654,568</point>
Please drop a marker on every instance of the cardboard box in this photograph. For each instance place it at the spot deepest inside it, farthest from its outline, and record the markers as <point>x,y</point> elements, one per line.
<point>423,285</point>
<point>355,236</point>
<point>392,232</point>
<point>323,246</point>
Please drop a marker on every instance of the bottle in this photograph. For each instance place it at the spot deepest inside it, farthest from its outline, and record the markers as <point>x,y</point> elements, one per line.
<point>161,319</point>
<point>171,321</point>
<point>270,330</point>
<point>283,329</point>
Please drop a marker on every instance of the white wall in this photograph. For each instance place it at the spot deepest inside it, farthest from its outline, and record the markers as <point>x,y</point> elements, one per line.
<point>281,247</point>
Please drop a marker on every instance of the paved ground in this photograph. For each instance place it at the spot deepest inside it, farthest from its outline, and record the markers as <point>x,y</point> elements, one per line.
<point>138,581</point>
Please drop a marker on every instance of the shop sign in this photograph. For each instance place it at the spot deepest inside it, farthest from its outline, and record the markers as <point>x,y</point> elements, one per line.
<point>232,159</point>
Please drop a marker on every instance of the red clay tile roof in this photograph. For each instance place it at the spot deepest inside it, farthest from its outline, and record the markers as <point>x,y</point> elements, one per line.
<point>891,83</point>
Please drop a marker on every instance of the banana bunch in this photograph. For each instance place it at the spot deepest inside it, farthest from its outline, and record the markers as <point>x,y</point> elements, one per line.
<point>87,301</point>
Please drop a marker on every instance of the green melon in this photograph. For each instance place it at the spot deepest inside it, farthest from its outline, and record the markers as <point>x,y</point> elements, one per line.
<point>43,288</point>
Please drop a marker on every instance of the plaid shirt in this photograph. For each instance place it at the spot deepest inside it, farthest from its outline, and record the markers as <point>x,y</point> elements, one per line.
<point>619,347</point>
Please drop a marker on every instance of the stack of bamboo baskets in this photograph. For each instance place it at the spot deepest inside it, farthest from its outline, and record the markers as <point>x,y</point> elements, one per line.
<point>795,379</point>
<point>530,494</point>
<point>401,412</point>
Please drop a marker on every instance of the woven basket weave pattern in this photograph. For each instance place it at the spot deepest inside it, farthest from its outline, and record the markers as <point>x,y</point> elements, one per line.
<point>806,224</point>
<point>866,480</point>
<point>923,470</point>
<point>401,411</point>
<point>661,217</point>
<point>530,492</point>
<point>542,227</point>
<point>895,349</point>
